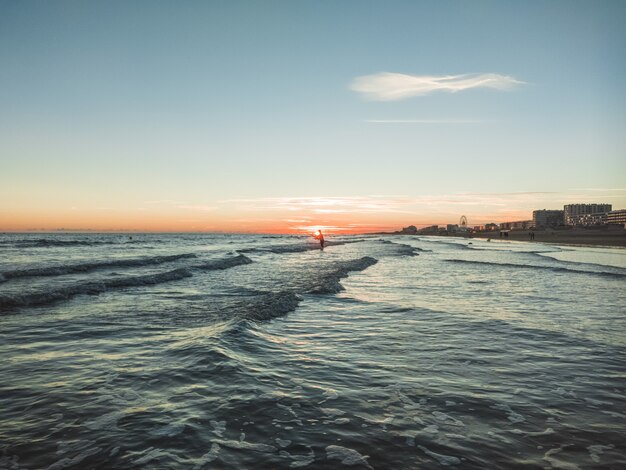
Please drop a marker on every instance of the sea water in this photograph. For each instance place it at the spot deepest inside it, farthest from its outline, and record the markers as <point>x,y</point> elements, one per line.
<point>251,351</point>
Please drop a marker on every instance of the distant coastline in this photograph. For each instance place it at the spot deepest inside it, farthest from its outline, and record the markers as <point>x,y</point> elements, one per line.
<point>612,237</point>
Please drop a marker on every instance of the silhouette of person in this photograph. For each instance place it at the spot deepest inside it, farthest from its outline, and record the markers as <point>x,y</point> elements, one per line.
<point>320,237</point>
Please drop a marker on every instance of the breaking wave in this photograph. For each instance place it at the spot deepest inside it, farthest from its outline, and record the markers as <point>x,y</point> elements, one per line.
<point>98,287</point>
<point>91,288</point>
<point>224,263</point>
<point>86,267</point>
<point>291,248</point>
<point>51,242</point>
<point>558,269</point>
<point>328,282</point>
<point>270,305</point>
<point>402,249</point>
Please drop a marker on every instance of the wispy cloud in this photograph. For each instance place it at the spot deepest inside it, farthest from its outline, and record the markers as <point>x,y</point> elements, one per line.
<point>388,86</point>
<point>600,189</point>
<point>325,205</point>
<point>425,121</point>
<point>197,207</point>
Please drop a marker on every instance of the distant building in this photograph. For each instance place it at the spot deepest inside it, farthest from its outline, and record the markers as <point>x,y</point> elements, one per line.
<point>492,226</point>
<point>586,214</point>
<point>517,225</point>
<point>548,218</point>
<point>452,228</point>
<point>430,229</point>
<point>616,217</point>
<point>410,230</point>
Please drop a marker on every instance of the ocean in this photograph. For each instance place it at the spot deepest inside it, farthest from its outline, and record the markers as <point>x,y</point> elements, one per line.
<point>263,352</point>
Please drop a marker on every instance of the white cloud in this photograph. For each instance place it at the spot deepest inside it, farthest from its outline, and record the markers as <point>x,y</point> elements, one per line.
<point>425,121</point>
<point>325,205</point>
<point>197,207</point>
<point>388,86</point>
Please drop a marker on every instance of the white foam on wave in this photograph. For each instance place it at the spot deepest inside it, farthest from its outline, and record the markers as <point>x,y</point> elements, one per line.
<point>282,442</point>
<point>288,409</point>
<point>512,416</point>
<point>341,420</point>
<point>598,449</point>
<point>545,432</point>
<point>593,401</point>
<point>329,394</point>
<point>257,447</point>
<point>432,429</point>
<point>496,435</point>
<point>443,417</point>
<point>332,412</point>
<point>150,454</point>
<point>445,460</point>
<point>565,393</point>
<point>347,456</point>
<point>299,460</point>
<point>209,457</point>
<point>556,462</point>
<point>218,427</point>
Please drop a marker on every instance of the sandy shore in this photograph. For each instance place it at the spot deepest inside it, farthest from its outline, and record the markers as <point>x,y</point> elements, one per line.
<point>598,237</point>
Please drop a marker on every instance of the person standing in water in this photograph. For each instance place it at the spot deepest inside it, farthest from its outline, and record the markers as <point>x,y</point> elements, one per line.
<point>320,237</point>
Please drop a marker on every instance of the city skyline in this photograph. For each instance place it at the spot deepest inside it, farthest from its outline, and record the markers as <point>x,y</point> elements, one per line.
<point>353,117</point>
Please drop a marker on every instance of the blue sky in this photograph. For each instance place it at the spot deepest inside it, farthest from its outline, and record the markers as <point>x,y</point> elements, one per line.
<point>216,115</point>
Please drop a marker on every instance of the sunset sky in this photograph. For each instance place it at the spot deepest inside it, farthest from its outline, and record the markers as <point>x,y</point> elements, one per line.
<point>281,116</point>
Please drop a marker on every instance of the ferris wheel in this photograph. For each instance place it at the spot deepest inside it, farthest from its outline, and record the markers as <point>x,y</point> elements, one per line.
<point>463,222</point>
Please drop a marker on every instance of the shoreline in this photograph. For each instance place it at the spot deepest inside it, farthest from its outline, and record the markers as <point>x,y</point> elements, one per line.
<point>574,237</point>
<point>610,239</point>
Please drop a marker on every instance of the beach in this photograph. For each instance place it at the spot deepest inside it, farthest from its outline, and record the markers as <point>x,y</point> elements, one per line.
<point>605,236</point>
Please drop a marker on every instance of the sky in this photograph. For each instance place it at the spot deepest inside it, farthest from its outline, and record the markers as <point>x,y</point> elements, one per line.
<point>282,116</point>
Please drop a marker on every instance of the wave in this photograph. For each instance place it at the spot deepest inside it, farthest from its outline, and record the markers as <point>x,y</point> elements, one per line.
<point>539,255</point>
<point>283,249</point>
<point>328,282</point>
<point>92,266</point>
<point>558,269</point>
<point>402,249</point>
<point>271,305</point>
<point>52,242</point>
<point>224,263</point>
<point>275,304</point>
<point>98,287</point>
<point>459,246</point>
<point>91,288</point>
<point>298,248</point>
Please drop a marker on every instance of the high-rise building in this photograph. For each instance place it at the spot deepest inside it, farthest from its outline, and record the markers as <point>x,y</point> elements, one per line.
<point>586,214</point>
<point>548,218</point>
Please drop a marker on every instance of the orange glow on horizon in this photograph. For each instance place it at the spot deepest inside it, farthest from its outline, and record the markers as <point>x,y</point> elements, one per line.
<point>303,216</point>
<point>170,223</point>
